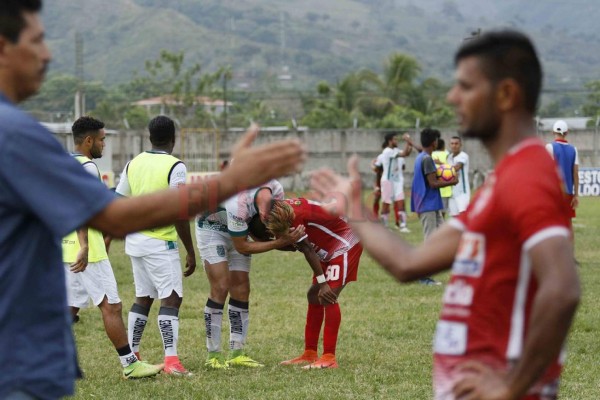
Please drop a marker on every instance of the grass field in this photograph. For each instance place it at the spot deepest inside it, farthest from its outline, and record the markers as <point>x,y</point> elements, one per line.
<point>384,346</point>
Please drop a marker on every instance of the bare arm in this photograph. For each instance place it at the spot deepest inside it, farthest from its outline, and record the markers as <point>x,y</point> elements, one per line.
<point>253,166</point>
<point>326,295</point>
<point>458,166</point>
<point>402,260</point>
<point>406,137</point>
<point>552,313</point>
<point>575,201</point>
<point>407,148</point>
<point>183,231</point>
<point>242,245</point>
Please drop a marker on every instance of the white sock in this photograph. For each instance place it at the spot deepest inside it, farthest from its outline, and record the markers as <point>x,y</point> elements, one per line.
<point>136,323</point>
<point>127,360</point>
<point>238,323</point>
<point>213,319</point>
<point>168,323</point>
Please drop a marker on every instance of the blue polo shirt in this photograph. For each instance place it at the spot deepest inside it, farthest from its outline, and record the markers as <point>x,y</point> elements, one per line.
<point>44,195</point>
<point>424,198</point>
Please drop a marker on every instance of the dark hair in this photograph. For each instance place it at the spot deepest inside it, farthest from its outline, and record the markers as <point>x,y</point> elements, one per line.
<point>85,126</point>
<point>457,138</point>
<point>388,137</point>
<point>12,21</point>
<point>507,54</point>
<point>162,130</point>
<point>428,136</point>
<point>441,144</point>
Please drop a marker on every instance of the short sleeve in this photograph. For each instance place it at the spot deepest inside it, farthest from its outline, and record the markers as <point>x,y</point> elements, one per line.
<point>178,175</point>
<point>237,214</point>
<point>538,204</point>
<point>123,187</point>
<point>428,166</point>
<point>48,182</point>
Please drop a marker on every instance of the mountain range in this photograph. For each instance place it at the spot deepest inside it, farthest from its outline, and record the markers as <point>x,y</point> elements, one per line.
<point>298,43</point>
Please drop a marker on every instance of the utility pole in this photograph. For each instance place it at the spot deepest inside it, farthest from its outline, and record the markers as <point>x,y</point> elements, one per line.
<point>80,93</point>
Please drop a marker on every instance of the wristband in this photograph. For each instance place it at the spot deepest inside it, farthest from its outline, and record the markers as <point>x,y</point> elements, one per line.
<point>321,278</point>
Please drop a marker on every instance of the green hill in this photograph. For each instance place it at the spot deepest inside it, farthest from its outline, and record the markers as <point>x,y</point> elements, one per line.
<point>315,39</point>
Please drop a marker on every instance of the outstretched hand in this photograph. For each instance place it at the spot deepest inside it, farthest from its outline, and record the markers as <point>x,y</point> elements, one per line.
<point>254,165</point>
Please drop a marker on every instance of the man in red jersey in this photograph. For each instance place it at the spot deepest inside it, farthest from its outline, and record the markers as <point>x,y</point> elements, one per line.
<point>513,289</point>
<point>333,252</point>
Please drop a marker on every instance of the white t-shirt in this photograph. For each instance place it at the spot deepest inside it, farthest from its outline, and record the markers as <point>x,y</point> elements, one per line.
<point>462,188</point>
<point>387,160</point>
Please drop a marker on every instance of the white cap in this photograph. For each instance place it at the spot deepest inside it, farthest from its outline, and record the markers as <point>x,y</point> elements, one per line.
<point>561,127</point>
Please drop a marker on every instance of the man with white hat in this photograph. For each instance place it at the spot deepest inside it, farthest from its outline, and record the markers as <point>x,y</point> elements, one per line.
<point>567,159</point>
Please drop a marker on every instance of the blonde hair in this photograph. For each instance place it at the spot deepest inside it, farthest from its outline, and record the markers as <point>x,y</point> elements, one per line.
<point>280,218</point>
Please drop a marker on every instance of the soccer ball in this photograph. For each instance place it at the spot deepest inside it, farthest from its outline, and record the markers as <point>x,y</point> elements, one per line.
<point>445,172</point>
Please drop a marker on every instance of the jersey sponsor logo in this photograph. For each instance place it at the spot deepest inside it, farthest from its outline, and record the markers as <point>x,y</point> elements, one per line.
<point>450,338</point>
<point>470,256</point>
<point>166,330</point>
<point>322,254</point>
<point>458,293</point>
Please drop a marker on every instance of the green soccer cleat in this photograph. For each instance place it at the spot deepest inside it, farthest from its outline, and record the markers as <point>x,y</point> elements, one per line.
<point>239,359</point>
<point>141,369</point>
<point>215,360</point>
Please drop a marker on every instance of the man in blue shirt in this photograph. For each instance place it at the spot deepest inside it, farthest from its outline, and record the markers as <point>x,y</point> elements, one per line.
<point>45,194</point>
<point>425,197</point>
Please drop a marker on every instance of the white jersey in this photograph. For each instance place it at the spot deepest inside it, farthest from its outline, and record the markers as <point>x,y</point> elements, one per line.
<point>461,192</point>
<point>242,207</point>
<point>387,160</point>
<point>463,175</point>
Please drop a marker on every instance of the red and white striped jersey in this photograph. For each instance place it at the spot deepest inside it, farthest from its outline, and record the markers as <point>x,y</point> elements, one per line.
<point>487,303</point>
<point>330,236</point>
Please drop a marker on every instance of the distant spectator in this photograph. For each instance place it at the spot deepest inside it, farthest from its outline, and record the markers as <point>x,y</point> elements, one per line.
<point>461,192</point>
<point>440,157</point>
<point>567,159</point>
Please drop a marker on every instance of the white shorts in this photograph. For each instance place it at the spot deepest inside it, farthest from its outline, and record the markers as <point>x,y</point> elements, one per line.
<point>391,191</point>
<point>96,282</point>
<point>158,274</point>
<point>458,204</point>
<point>216,246</point>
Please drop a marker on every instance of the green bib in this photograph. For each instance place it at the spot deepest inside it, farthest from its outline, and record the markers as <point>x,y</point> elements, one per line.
<point>147,173</point>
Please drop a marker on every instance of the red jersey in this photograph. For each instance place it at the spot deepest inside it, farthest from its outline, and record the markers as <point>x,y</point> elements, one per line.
<point>330,236</point>
<point>487,303</point>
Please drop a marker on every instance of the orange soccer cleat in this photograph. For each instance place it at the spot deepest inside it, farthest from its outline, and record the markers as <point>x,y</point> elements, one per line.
<point>308,357</point>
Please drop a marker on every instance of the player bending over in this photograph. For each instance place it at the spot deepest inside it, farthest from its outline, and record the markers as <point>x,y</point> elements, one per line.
<point>333,252</point>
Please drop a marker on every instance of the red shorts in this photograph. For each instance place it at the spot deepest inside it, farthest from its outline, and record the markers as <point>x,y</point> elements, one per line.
<point>343,268</point>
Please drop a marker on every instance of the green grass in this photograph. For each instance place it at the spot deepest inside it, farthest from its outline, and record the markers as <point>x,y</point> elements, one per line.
<point>384,346</point>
